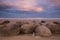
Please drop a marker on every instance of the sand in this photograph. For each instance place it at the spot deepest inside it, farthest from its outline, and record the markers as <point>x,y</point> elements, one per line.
<point>29,37</point>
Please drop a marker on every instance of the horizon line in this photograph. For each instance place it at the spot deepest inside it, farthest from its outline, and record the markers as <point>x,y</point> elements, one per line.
<point>29,18</point>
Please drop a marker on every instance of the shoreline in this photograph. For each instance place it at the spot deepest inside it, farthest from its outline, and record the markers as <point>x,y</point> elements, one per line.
<point>31,18</point>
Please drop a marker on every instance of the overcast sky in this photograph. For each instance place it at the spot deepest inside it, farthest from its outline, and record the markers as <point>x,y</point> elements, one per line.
<point>30,8</point>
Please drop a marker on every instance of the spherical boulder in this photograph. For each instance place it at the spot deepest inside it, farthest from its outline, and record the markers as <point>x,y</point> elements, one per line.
<point>54,27</point>
<point>42,30</point>
<point>13,28</point>
<point>27,28</point>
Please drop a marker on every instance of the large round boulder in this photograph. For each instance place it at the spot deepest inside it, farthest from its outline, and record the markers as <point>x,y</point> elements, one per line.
<point>54,27</point>
<point>13,28</point>
<point>42,30</point>
<point>10,29</point>
<point>27,28</point>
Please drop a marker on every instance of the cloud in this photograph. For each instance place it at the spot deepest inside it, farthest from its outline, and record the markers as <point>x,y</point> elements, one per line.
<point>56,2</point>
<point>2,7</point>
<point>32,5</point>
<point>24,5</point>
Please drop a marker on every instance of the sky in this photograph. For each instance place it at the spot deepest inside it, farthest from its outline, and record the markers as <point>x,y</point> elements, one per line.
<point>29,8</point>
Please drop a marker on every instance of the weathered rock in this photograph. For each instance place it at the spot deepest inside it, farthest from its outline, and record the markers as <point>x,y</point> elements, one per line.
<point>4,22</point>
<point>3,31</point>
<point>54,27</point>
<point>10,29</point>
<point>27,28</point>
<point>19,23</point>
<point>42,31</point>
<point>13,28</point>
<point>43,21</point>
<point>23,22</point>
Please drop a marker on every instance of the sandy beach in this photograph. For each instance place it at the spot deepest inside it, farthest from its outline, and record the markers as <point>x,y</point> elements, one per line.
<point>29,36</point>
<point>56,37</point>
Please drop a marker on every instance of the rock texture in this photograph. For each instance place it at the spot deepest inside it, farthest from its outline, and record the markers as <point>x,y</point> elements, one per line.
<point>54,27</point>
<point>42,31</point>
<point>27,28</point>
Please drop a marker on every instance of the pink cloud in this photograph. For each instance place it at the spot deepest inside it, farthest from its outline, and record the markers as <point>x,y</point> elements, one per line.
<point>28,5</point>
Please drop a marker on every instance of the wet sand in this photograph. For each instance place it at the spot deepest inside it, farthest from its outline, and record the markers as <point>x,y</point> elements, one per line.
<point>28,37</point>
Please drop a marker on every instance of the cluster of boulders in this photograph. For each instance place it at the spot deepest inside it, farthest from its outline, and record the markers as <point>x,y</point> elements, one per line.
<point>42,28</point>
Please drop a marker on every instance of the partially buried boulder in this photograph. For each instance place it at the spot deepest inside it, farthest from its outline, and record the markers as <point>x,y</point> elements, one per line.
<point>54,27</point>
<point>10,29</point>
<point>27,28</point>
<point>4,22</point>
<point>13,28</point>
<point>42,31</point>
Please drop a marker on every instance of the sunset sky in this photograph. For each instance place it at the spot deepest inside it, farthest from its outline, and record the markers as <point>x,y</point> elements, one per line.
<point>29,8</point>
